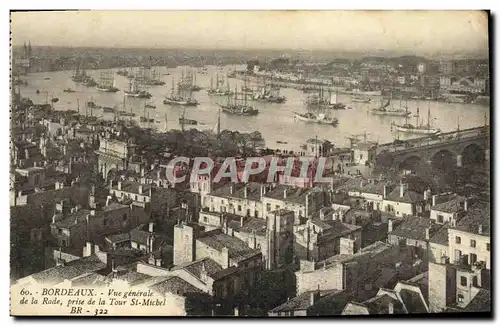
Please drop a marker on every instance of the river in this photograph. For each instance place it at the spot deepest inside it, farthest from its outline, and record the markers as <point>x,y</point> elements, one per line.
<point>275,121</point>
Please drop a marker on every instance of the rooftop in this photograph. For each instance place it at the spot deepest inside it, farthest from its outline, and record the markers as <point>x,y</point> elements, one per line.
<point>453,205</point>
<point>440,236</point>
<point>238,250</point>
<point>293,194</point>
<point>409,196</point>
<point>300,302</point>
<point>238,191</point>
<point>478,214</point>
<point>175,285</point>
<point>68,271</point>
<point>415,228</point>
<point>133,187</point>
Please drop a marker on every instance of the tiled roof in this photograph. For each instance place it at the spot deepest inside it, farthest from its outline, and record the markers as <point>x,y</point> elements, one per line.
<point>238,250</point>
<point>253,191</point>
<point>480,303</point>
<point>409,196</point>
<point>133,187</point>
<point>253,224</point>
<point>117,238</point>
<point>440,236</point>
<point>300,302</point>
<point>380,305</point>
<point>453,205</point>
<point>195,268</point>
<point>294,194</point>
<point>365,253</point>
<point>175,285</point>
<point>476,215</point>
<point>68,271</point>
<point>73,219</point>
<point>414,228</point>
<point>335,228</point>
<point>131,277</point>
<point>90,279</point>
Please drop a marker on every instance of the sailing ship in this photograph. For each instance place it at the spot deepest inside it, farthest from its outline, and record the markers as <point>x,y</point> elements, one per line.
<point>181,97</point>
<point>80,76</point>
<point>145,117</point>
<point>184,121</point>
<point>107,82</point>
<point>268,93</point>
<point>136,91</point>
<point>150,105</point>
<point>155,79</point>
<point>388,109</point>
<point>317,113</point>
<point>419,128</point>
<point>124,112</point>
<point>188,81</point>
<point>219,89</point>
<point>68,90</point>
<point>234,106</point>
<point>333,102</point>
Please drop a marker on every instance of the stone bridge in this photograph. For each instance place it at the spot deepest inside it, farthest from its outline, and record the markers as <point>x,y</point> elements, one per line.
<point>459,148</point>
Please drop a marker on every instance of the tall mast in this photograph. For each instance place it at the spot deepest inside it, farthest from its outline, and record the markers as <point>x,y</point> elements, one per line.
<point>218,124</point>
<point>78,105</point>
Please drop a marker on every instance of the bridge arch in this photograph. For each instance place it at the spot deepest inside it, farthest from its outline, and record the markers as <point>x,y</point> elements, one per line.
<point>443,159</point>
<point>472,155</point>
<point>410,162</point>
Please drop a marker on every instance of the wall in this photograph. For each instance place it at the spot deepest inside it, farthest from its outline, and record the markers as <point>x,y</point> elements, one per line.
<point>230,205</point>
<point>400,209</point>
<point>330,278</point>
<point>447,217</point>
<point>441,286</point>
<point>466,249</point>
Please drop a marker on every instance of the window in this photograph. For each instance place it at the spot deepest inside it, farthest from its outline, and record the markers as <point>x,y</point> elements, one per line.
<point>205,219</point>
<point>440,219</point>
<point>277,207</point>
<point>239,208</point>
<point>475,282</point>
<point>463,281</point>
<point>268,207</point>
<point>488,247</point>
<point>136,197</point>
<point>458,240</point>
<point>460,298</point>
<point>473,243</point>
<point>124,217</point>
<point>473,259</point>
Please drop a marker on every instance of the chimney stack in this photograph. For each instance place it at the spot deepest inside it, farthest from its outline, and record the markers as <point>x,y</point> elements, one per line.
<point>231,189</point>
<point>315,296</point>
<point>402,190</point>
<point>434,197</point>
<point>465,205</point>
<point>225,258</point>
<point>151,227</point>
<point>119,185</point>
<point>480,229</point>
<point>385,191</point>
<point>389,226</point>
<point>245,189</point>
<point>284,193</point>
<point>427,234</point>
<point>391,308</point>
<point>140,189</point>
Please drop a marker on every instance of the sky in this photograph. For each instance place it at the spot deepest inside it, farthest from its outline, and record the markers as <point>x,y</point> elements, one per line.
<point>419,32</point>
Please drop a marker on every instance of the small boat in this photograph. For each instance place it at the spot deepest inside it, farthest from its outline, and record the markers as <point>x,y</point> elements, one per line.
<point>180,101</point>
<point>281,142</point>
<point>320,118</point>
<point>107,109</point>
<point>46,78</point>
<point>360,99</point>
<point>126,113</point>
<point>150,106</point>
<point>68,90</point>
<point>144,119</point>
<point>38,91</point>
<point>187,121</point>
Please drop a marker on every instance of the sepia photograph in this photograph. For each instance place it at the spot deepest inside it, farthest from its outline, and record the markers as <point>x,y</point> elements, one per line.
<point>272,163</point>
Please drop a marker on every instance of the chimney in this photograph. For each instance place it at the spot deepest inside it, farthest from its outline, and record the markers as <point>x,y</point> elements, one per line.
<point>401,190</point>
<point>480,229</point>
<point>245,191</point>
<point>427,194</point>
<point>389,226</point>
<point>434,197</point>
<point>307,206</point>
<point>108,200</point>
<point>225,258</point>
<point>92,212</point>
<point>465,205</point>
<point>315,296</point>
<point>241,221</point>
<point>322,214</point>
<point>110,184</point>
<point>284,193</point>
<point>262,192</point>
<point>87,251</point>
<point>427,234</point>
<point>385,191</point>
<point>236,311</point>
<point>362,183</point>
<point>231,189</point>
<point>391,308</point>
<point>119,185</point>
<point>140,189</point>
<point>143,172</point>
<point>151,227</point>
